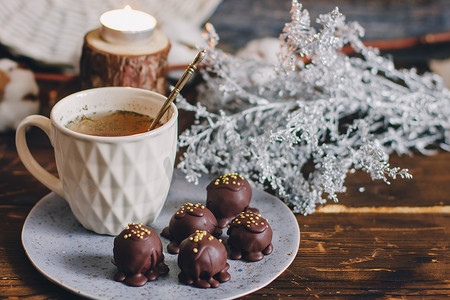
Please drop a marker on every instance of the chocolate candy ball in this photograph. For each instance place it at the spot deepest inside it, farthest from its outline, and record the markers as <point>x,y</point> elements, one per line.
<point>189,218</point>
<point>138,255</point>
<point>203,261</point>
<point>250,237</point>
<point>227,196</point>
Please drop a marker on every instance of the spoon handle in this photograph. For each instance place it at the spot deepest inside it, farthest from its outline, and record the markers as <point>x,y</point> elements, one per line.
<point>180,84</point>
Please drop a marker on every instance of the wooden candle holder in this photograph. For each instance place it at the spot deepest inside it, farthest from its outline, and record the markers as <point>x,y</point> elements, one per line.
<point>106,64</point>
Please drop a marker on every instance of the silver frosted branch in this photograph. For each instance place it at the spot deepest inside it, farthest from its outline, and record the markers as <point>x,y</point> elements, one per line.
<point>299,127</point>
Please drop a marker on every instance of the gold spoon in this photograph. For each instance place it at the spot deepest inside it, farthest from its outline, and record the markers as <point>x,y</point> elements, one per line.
<point>180,84</point>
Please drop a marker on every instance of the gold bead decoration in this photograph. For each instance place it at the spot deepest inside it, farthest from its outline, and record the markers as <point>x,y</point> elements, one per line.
<point>138,230</point>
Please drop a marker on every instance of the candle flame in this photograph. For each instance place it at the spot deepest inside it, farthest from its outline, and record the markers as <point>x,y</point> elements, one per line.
<point>128,19</point>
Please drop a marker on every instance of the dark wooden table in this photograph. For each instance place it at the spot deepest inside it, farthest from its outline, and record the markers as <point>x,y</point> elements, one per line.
<point>386,241</point>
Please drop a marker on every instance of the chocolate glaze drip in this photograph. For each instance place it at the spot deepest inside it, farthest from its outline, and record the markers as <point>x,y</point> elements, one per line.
<point>250,237</point>
<point>227,196</point>
<point>138,255</point>
<point>203,261</point>
<point>189,218</point>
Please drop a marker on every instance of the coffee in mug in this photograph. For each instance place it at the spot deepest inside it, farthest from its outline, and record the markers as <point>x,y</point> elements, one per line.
<point>117,123</point>
<point>108,181</point>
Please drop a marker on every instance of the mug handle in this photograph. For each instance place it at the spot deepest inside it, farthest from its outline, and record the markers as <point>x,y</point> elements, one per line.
<point>47,179</point>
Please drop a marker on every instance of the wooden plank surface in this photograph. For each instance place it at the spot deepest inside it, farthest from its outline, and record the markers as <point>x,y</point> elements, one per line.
<point>375,246</point>
<point>379,242</point>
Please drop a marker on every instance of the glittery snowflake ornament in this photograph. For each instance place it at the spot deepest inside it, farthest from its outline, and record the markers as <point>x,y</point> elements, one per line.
<point>299,127</point>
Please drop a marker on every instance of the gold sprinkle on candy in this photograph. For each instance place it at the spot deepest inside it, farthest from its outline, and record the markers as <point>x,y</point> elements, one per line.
<point>220,240</point>
<point>195,250</point>
<point>199,235</point>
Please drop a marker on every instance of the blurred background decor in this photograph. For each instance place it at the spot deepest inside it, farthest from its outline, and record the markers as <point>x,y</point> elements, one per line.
<point>389,24</point>
<point>48,34</point>
<point>19,94</point>
<point>51,31</point>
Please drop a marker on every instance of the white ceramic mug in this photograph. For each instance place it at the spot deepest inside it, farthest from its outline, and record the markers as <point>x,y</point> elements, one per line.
<point>107,181</point>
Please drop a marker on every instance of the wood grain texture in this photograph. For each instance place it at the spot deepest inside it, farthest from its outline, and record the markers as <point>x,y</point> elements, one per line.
<point>100,66</point>
<point>374,249</point>
<point>371,254</point>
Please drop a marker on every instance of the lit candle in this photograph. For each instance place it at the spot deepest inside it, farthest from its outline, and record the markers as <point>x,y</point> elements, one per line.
<point>127,26</point>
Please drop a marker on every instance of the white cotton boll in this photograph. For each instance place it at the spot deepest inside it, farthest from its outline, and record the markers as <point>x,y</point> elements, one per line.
<point>18,94</point>
<point>182,31</point>
<point>265,49</point>
<point>442,68</point>
<point>181,55</point>
<point>184,37</point>
<point>7,65</point>
<point>262,76</point>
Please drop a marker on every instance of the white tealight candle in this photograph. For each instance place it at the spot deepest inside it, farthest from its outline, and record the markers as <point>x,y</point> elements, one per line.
<point>127,26</point>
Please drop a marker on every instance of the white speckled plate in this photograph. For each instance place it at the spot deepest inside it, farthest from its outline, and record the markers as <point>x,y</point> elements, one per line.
<point>80,260</point>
